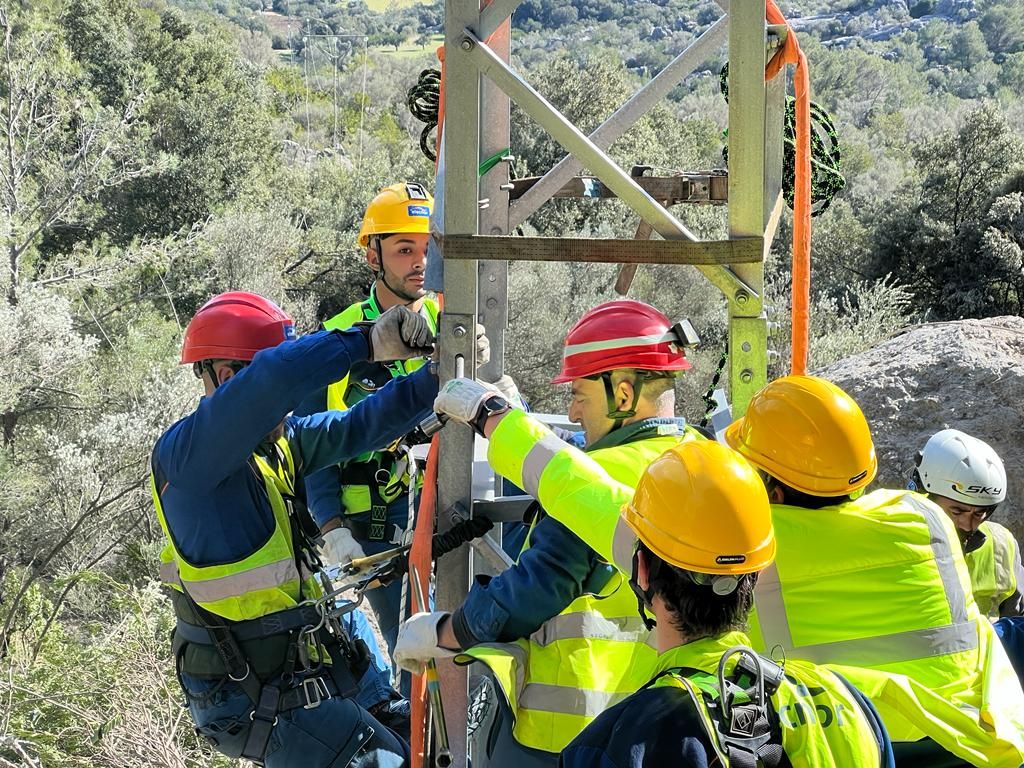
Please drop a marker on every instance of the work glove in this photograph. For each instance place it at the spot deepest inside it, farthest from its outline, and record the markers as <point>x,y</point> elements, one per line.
<point>400,334</point>
<point>483,347</point>
<point>417,642</point>
<point>507,386</point>
<point>461,399</point>
<point>339,548</point>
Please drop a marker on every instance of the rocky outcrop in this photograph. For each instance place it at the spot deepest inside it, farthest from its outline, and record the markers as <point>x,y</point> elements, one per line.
<point>967,374</point>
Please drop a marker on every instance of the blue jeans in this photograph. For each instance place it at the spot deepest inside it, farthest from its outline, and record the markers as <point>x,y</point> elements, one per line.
<point>1011,633</point>
<point>335,734</point>
<point>375,684</point>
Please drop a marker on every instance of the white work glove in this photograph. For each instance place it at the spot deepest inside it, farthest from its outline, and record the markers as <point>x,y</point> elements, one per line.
<point>417,642</point>
<point>339,548</point>
<point>461,399</point>
<point>507,386</point>
<point>400,334</point>
<point>483,347</point>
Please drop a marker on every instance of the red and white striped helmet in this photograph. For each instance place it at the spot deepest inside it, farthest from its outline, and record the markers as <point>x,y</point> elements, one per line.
<point>621,334</point>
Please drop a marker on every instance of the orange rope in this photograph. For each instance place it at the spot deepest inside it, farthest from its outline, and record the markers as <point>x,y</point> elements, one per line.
<point>440,111</point>
<point>791,54</point>
<point>420,562</point>
<point>421,558</point>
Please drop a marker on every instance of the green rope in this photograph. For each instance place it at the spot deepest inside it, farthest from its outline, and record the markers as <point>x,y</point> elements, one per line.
<point>826,155</point>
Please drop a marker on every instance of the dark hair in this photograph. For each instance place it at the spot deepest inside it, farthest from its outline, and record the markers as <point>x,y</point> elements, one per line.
<point>697,611</point>
<point>795,498</point>
<point>653,383</point>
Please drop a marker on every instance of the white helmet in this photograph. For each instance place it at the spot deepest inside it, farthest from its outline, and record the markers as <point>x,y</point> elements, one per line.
<point>960,467</point>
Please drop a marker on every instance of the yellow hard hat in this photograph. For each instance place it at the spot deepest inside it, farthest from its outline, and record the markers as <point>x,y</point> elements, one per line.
<point>699,506</point>
<point>403,207</point>
<point>809,434</point>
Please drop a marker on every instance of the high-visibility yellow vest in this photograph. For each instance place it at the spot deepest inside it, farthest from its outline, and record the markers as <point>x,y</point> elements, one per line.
<point>821,722</point>
<point>977,709</point>
<point>993,568</point>
<point>880,583</point>
<point>363,379</point>
<point>596,651</point>
<point>264,582</point>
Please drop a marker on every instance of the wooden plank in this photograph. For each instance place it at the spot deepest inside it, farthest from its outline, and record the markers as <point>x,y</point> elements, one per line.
<point>745,250</point>
<point>628,271</point>
<point>700,187</point>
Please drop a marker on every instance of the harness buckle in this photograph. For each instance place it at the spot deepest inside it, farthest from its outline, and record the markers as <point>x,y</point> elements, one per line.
<point>254,717</point>
<point>245,674</point>
<point>743,720</point>
<point>315,690</point>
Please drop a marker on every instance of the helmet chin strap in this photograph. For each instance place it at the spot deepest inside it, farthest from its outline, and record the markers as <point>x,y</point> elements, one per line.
<point>644,597</point>
<point>381,275</point>
<point>206,366</point>
<point>616,414</point>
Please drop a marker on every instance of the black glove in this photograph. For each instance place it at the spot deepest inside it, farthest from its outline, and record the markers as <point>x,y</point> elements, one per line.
<point>398,334</point>
<point>358,657</point>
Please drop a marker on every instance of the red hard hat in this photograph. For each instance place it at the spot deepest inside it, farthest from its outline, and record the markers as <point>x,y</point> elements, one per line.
<point>620,334</point>
<point>235,326</point>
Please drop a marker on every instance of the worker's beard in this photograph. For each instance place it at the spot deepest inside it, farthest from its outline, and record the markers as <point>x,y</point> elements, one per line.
<point>970,540</point>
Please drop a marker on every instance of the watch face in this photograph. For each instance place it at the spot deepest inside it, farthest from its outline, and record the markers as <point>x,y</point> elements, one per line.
<point>495,404</point>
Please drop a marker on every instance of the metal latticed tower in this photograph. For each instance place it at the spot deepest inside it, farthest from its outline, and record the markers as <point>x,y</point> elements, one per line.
<point>476,247</point>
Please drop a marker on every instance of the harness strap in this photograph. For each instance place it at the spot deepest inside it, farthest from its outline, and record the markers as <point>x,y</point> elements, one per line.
<point>241,672</point>
<point>746,735</point>
<point>264,718</point>
<point>361,530</point>
<point>375,475</point>
<point>254,629</point>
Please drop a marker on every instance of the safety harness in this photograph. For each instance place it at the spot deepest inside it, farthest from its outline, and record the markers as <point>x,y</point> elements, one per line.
<point>385,478</point>
<point>739,707</point>
<point>385,474</point>
<point>293,658</point>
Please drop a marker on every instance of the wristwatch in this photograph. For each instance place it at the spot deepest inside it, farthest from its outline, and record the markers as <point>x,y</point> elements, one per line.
<point>492,406</point>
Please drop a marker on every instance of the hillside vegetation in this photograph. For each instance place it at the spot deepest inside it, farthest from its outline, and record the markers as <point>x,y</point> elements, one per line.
<point>159,152</point>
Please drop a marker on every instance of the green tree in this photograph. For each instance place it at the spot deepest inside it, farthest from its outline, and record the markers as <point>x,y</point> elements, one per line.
<point>1002,24</point>
<point>940,244</point>
<point>211,124</point>
<point>65,147</point>
<point>968,48</point>
<point>962,168</point>
<point>1011,73</point>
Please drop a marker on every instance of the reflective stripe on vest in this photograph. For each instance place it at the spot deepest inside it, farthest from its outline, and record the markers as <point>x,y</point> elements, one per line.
<point>537,460</point>
<point>992,568</point>
<point>821,722</point>
<point>595,652</point>
<point>589,626</point>
<point>263,582</point>
<point>269,576</point>
<point>880,583</point>
<point>958,633</point>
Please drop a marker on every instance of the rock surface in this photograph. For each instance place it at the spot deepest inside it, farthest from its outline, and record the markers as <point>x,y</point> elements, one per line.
<point>967,374</point>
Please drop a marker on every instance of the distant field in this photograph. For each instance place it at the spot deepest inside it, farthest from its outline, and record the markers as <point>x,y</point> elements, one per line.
<point>409,49</point>
<point>383,5</point>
